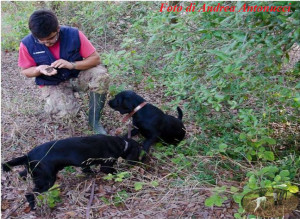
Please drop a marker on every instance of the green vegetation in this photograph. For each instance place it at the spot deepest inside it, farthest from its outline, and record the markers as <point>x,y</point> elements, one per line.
<point>50,198</point>
<point>235,74</point>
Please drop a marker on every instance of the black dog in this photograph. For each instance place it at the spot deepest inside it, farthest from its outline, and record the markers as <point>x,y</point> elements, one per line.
<point>44,161</point>
<point>150,121</point>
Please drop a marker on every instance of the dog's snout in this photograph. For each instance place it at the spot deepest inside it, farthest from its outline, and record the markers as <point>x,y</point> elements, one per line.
<point>111,103</point>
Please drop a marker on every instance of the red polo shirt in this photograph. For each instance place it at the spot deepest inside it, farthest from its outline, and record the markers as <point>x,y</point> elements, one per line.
<point>26,61</point>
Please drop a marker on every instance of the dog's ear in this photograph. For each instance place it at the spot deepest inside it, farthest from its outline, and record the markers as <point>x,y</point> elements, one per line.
<point>127,104</point>
<point>133,152</point>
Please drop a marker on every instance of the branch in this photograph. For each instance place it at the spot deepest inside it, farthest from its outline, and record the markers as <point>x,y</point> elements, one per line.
<point>11,212</point>
<point>90,201</point>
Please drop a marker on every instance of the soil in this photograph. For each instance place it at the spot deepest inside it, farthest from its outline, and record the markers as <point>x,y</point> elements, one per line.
<point>25,125</point>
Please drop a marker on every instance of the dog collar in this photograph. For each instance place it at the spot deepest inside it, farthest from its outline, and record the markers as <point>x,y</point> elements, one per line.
<point>134,111</point>
<point>126,146</point>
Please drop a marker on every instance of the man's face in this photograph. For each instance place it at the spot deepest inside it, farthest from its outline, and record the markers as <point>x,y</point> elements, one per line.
<point>50,40</point>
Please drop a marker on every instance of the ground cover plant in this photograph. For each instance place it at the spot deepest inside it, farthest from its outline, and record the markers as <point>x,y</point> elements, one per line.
<point>235,75</point>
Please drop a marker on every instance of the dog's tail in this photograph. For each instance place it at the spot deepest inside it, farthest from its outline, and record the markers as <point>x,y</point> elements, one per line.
<point>180,114</point>
<point>14,162</point>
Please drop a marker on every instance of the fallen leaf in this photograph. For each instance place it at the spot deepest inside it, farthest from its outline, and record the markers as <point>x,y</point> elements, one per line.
<point>170,212</point>
<point>101,190</point>
<point>142,171</point>
<point>71,213</point>
<point>4,205</point>
<point>27,209</point>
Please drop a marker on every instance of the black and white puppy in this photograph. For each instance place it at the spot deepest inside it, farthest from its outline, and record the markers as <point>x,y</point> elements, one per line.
<point>150,121</point>
<point>44,161</point>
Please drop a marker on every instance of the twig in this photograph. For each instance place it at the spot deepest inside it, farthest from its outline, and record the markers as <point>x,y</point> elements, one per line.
<point>70,126</point>
<point>11,212</point>
<point>42,158</point>
<point>236,163</point>
<point>90,201</point>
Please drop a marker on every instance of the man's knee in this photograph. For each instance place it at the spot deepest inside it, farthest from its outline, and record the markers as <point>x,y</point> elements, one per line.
<point>95,79</point>
<point>60,101</point>
<point>100,83</point>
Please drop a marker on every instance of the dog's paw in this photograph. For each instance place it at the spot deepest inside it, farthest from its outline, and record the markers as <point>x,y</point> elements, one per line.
<point>5,167</point>
<point>144,156</point>
<point>23,175</point>
<point>108,170</point>
<point>87,170</point>
<point>32,208</point>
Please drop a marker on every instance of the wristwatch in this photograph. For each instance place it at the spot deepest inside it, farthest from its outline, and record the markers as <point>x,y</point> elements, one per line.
<point>73,64</point>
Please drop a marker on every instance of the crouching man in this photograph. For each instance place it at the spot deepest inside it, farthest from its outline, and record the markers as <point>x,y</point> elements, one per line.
<point>62,60</point>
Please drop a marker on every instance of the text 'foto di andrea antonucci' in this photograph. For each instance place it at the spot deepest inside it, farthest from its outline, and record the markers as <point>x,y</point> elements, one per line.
<point>220,8</point>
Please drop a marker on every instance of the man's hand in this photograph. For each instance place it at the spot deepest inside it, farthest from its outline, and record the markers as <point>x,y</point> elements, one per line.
<point>46,70</point>
<point>61,63</point>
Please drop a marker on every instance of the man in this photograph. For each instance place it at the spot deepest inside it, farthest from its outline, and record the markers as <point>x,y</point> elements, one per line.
<point>62,59</point>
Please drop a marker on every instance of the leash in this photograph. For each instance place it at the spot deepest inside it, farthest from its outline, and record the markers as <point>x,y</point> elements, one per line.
<point>129,130</point>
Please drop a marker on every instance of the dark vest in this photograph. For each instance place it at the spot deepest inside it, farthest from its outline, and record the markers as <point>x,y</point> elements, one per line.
<point>69,50</point>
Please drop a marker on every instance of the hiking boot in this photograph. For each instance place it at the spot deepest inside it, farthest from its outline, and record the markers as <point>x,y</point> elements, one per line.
<point>96,105</point>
